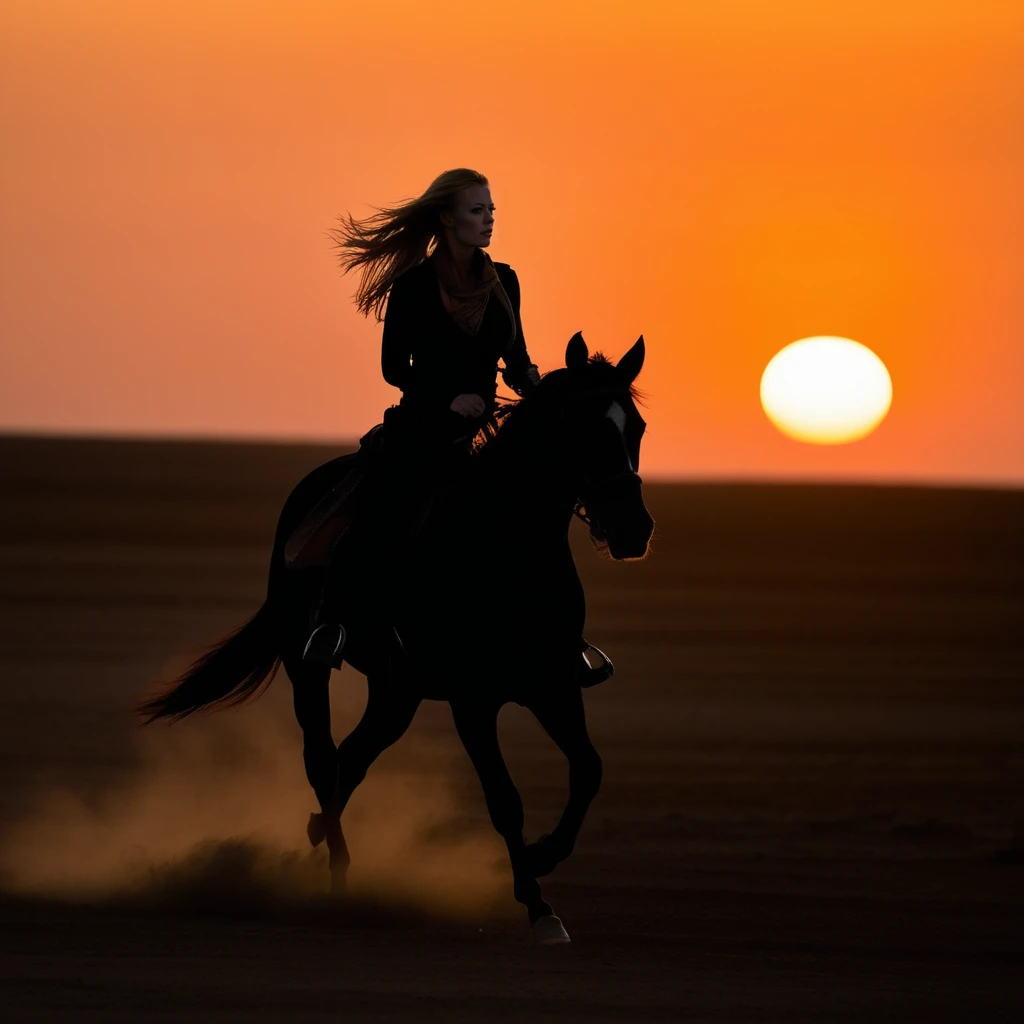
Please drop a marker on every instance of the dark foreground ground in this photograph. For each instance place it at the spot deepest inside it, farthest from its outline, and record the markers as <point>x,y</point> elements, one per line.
<point>812,806</point>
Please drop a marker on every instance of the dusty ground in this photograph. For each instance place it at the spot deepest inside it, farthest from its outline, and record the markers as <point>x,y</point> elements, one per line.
<point>812,804</point>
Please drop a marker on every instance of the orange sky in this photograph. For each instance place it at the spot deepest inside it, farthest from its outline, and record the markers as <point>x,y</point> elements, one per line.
<point>722,176</point>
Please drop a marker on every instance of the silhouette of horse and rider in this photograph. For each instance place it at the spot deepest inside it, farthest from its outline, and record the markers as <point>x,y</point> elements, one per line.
<point>385,557</point>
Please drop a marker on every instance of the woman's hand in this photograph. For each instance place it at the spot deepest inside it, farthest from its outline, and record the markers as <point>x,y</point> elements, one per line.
<point>468,405</point>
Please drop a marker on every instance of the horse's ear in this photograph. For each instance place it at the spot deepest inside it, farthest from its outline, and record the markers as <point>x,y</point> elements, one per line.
<point>576,352</point>
<point>630,364</point>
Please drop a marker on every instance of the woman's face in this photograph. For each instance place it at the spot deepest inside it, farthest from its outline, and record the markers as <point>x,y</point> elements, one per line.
<point>473,218</point>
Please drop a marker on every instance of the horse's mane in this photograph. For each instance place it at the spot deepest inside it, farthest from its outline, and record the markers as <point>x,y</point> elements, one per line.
<point>554,386</point>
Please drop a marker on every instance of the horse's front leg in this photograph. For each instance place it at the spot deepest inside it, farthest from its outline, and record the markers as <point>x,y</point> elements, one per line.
<point>561,714</point>
<point>312,701</point>
<point>477,726</point>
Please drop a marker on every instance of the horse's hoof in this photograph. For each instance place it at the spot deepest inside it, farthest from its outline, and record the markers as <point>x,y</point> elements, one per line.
<point>549,931</point>
<point>316,830</point>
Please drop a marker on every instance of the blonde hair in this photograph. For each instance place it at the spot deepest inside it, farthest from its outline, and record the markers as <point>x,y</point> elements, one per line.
<point>395,238</point>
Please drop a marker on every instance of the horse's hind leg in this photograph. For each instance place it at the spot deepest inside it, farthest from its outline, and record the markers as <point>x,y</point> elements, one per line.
<point>562,716</point>
<point>477,727</point>
<point>312,701</point>
<point>390,709</point>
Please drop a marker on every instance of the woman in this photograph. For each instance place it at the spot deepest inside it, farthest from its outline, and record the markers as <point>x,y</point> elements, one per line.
<point>452,313</point>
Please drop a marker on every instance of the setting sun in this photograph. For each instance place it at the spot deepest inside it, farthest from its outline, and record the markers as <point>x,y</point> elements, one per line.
<point>826,390</point>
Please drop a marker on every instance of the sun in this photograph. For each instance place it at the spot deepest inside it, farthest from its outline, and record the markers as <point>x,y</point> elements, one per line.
<point>826,390</point>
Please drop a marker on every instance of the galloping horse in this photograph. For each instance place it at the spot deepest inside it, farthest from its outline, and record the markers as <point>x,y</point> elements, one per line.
<point>572,443</point>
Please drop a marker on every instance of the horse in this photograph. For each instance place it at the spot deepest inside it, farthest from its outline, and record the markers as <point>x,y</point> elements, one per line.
<point>572,445</point>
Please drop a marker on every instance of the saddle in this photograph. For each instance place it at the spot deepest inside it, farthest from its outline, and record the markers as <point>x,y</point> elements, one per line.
<point>313,541</point>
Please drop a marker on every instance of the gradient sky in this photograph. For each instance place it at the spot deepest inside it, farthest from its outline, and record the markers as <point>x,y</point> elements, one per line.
<point>721,176</point>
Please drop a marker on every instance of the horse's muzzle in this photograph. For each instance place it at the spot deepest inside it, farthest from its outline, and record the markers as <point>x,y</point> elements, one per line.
<point>619,508</point>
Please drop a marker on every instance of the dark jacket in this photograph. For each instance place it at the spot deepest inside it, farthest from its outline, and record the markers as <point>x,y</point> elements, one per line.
<point>432,359</point>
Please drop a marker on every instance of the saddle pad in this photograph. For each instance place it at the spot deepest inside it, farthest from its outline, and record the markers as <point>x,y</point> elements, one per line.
<point>313,540</point>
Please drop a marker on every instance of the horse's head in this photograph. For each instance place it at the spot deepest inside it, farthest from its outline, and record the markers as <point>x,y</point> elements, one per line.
<point>603,429</point>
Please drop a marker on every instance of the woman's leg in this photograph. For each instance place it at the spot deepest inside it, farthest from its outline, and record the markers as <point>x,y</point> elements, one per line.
<point>346,576</point>
<point>356,580</point>
<point>410,468</point>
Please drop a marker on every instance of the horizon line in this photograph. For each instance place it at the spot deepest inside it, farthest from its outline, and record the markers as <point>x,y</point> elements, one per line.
<point>283,441</point>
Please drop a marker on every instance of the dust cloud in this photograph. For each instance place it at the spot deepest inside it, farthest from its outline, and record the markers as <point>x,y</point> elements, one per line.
<point>215,814</point>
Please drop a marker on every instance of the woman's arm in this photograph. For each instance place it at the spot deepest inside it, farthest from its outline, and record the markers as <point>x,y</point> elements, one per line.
<point>520,374</point>
<point>398,336</point>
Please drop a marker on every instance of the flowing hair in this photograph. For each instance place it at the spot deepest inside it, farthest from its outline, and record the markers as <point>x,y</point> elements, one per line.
<point>395,238</point>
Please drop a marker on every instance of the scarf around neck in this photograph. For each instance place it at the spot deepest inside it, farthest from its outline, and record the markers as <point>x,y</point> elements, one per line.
<point>471,299</point>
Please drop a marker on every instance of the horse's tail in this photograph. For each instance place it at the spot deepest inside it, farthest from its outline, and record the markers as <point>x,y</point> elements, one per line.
<point>237,669</point>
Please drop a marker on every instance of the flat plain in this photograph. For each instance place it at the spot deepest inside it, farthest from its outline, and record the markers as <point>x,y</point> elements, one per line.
<point>811,810</point>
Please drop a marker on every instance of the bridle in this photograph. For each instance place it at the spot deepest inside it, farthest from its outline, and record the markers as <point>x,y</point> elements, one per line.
<point>592,488</point>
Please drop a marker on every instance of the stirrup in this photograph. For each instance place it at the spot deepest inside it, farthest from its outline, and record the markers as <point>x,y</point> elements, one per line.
<point>592,676</point>
<point>325,645</point>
